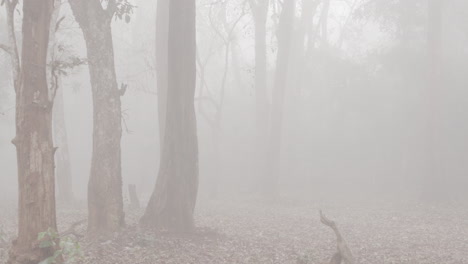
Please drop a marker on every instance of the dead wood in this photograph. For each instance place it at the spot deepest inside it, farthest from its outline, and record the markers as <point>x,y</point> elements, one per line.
<point>343,254</point>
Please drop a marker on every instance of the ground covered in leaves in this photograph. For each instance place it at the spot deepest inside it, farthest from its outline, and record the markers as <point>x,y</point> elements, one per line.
<point>283,232</point>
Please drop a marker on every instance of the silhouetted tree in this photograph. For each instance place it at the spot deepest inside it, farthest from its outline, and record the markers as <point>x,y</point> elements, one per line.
<point>260,13</point>
<point>285,27</point>
<point>173,201</point>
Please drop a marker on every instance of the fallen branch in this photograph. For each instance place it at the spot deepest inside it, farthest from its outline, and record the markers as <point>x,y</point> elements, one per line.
<point>344,254</point>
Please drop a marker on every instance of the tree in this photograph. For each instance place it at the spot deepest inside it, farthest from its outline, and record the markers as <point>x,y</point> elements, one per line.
<point>105,203</point>
<point>173,200</point>
<point>55,70</point>
<point>260,12</point>
<point>285,27</point>
<point>33,140</point>
<point>434,182</point>
<point>162,27</point>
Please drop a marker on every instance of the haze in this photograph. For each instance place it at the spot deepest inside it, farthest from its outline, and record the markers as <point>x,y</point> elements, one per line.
<point>215,131</point>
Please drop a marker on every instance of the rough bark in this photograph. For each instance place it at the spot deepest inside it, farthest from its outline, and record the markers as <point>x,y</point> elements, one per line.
<point>173,201</point>
<point>275,134</point>
<point>162,28</point>
<point>260,13</point>
<point>33,140</point>
<point>105,203</point>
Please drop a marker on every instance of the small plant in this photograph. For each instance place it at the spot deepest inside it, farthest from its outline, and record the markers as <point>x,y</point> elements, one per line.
<point>69,249</point>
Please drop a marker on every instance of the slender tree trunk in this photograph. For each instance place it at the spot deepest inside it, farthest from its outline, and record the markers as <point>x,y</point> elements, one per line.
<point>62,155</point>
<point>105,203</point>
<point>434,190</point>
<point>298,61</point>
<point>173,201</point>
<point>162,28</point>
<point>324,23</point>
<point>284,43</point>
<point>33,141</point>
<point>260,13</point>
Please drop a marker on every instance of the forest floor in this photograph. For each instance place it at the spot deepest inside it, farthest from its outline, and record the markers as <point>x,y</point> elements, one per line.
<point>285,232</point>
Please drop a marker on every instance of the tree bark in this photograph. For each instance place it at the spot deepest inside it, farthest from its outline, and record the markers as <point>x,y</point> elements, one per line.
<point>173,201</point>
<point>284,42</point>
<point>105,202</point>
<point>33,141</point>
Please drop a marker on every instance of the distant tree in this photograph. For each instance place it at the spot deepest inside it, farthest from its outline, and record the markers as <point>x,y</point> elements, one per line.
<point>105,202</point>
<point>33,140</point>
<point>285,28</point>
<point>260,14</point>
<point>57,68</point>
<point>172,203</point>
<point>162,27</point>
<point>434,189</point>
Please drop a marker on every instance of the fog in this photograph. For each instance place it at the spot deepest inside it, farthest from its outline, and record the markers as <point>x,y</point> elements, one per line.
<point>363,115</point>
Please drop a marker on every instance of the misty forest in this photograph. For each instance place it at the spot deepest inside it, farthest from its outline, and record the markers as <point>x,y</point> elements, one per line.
<point>234,131</point>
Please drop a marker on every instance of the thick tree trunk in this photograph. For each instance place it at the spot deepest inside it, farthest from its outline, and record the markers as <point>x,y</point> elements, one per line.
<point>33,141</point>
<point>162,28</point>
<point>284,42</point>
<point>260,13</point>
<point>173,201</point>
<point>105,203</point>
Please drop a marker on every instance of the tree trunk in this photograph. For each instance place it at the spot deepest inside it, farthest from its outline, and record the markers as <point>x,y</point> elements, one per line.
<point>434,187</point>
<point>298,62</point>
<point>162,28</point>
<point>105,203</point>
<point>260,13</point>
<point>173,201</point>
<point>33,141</point>
<point>324,23</point>
<point>134,201</point>
<point>284,42</point>
<point>62,156</point>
